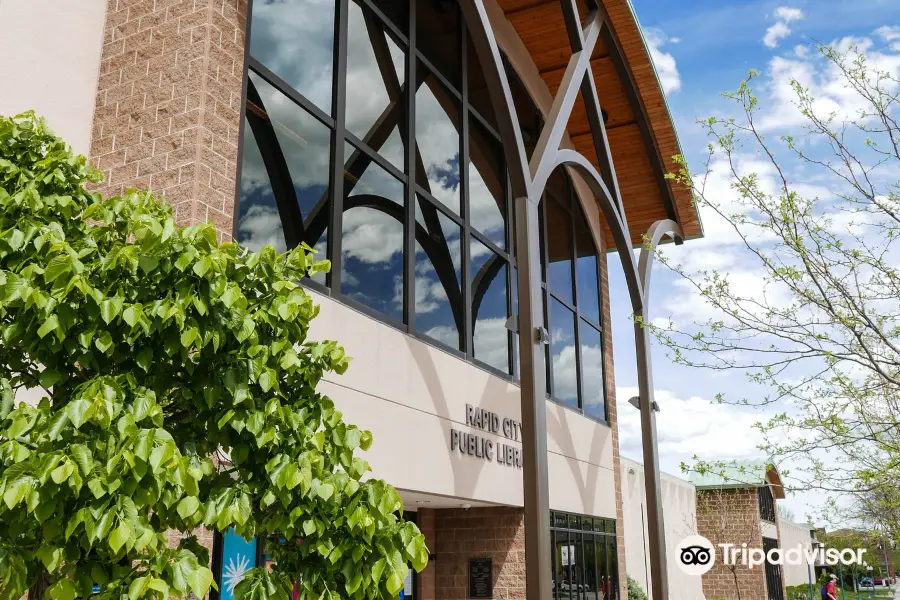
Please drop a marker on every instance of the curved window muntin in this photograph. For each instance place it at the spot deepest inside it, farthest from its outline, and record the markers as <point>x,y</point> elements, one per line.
<point>416,193</point>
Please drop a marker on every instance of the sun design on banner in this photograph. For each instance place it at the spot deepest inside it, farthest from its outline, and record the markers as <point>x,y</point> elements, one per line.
<point>234,572</point>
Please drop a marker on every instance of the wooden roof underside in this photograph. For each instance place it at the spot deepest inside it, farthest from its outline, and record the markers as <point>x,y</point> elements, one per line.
<point>541,28</point>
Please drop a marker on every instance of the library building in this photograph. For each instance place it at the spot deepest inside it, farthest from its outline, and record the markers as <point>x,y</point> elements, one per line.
<point>467,166</point>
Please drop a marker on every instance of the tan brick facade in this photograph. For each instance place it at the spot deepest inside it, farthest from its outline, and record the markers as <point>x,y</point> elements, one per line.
<point>426,520</point>
<point>731,516</point>
<point>496,533</point>
<point>168,104</point>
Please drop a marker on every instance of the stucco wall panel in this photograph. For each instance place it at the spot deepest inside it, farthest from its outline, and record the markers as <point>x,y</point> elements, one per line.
<point>50,62</point>
<point>410,394</point>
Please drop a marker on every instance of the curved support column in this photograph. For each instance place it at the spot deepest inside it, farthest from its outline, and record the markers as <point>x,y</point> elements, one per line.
<point>655,527</point>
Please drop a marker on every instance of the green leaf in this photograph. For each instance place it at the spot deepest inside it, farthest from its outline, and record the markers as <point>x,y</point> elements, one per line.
<point>49,378</point>
<point>79,411</point>
<point>148,264</point>
<point>137,587</point>
<point>62,472</point>
<point>15,492</point>
<point>50,556</point>
<point>188,506</point>
<point>120,536</point>
<point>200,580</point>
<point>59,265</point>
<point>144,359</point>
<point>49,326</point>
<point>64,589</point>
<point>83,458</point>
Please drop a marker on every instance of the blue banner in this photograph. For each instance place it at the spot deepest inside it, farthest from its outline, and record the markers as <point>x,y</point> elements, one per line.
<point>238,557</point>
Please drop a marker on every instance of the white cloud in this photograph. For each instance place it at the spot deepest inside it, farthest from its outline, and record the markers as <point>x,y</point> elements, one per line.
<point>788,14</point>
<point>780,29</point>
<point>801,51</point>
<point>690,426</point>
<point>890,34</point>
<point>261,226</point>
<point>664,61</point>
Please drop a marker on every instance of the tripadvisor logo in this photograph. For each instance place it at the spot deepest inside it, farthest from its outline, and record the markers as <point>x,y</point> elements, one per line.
<point>696,555</point>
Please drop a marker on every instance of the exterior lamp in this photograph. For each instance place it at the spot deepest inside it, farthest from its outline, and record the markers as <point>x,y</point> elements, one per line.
<point>636,402</point>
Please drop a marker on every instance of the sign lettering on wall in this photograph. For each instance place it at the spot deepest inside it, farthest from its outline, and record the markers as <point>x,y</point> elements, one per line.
<point>486,448</point>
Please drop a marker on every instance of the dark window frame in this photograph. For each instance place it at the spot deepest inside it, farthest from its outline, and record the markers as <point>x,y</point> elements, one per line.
<point>573,534</point>
<point>573,204</point>
<point>766,504</point>
<point>413,191</point>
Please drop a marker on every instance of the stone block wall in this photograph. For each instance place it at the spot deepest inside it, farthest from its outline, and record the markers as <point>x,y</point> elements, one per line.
<point>731,516</point>
<point>495,533</point>
<point>167,112</point>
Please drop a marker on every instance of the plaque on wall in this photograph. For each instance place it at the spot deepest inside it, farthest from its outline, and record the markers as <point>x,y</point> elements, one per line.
<point>480,581</point>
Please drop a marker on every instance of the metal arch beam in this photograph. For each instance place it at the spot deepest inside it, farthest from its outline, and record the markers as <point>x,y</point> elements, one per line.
<point>594,180</point>
<point>660,229</point>
<point>528,182</point>
<point>655,526</point>
<point>488,52</point>
<point>543,160</point>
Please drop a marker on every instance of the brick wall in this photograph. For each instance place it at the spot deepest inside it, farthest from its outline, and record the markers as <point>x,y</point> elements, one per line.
<point>497,533</point>
<point>168,104</point>
<point>731,516</point>
<point>426,521</point>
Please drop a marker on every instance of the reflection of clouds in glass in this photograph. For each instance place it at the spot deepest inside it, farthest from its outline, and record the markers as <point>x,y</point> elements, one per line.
<point>367,91</point>
<point>438,142</point>
<point>371,236</point>
<point>485,212</point>
<point>261,226</point>
<point>295,39</point>
<point>490,340</point>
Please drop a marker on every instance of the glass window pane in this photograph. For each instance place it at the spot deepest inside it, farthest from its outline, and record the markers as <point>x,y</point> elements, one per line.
<point>548,363</point>
<point>479,97</point>
<point>559,250</point>
<point>592,397</point>
<point>600,525</point>
<point>576,540</point>
<point>563,558</point>
<point>587,523</point>
<point>515,311</point>
<point>612,558</point>
<point>437,140</point>
<point>295,40</point>
<point>372,238</point>
<point>602,567</point>
<point>574,522</point>
<point>586,270</point>
<point>376,67</point>
<point>438,275</point>
<point>286,150</point>
<point>487,196</point>
<point>560,520</point>
<point>562,347</point>
<point>591,587</point>
<point>489,313</point>
<point>437,36</point>
<point>553,562</point>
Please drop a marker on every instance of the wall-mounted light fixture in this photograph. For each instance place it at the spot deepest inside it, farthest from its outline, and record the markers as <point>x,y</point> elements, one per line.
<point>636,402</point>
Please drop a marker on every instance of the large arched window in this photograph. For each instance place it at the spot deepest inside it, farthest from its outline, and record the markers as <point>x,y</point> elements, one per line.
<point>371,118</point>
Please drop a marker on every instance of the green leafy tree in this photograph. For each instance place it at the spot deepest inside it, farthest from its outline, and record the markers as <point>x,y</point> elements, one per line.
<point>635,591</point>
<point>179,391</point>
<point>816,218</point>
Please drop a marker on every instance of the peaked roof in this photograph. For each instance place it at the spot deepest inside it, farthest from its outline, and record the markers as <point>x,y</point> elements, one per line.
<point>738,474</point>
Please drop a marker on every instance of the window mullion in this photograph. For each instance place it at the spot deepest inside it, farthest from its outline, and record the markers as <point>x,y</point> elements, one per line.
<point>468,325</point>
<point>337,147</point>
<point>409,237</point>
<point>579,364</point>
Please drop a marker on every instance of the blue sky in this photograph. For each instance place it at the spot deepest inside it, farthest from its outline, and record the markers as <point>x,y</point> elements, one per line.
<point>702,48</point>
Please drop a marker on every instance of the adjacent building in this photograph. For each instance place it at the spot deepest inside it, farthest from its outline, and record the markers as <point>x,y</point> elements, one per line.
<point>394,136</point>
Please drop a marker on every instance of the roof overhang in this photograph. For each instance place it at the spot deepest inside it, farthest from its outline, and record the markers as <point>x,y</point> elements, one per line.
<point>639,127</point>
